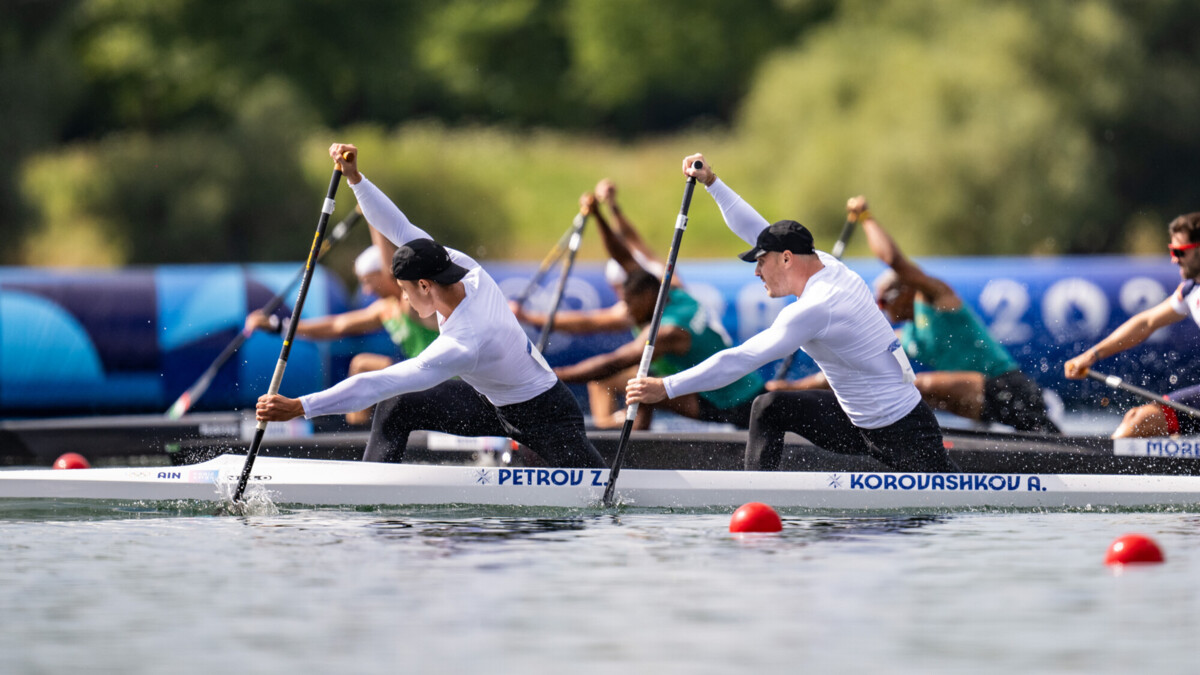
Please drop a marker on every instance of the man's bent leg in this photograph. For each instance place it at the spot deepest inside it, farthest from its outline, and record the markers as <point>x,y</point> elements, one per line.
<point>1016,400</point>
<point>958,391</point>
<point>1146,421</point>
<point>551,425</point>
<point>912,443</point>
<point>365,363</point>
<point>452,407</point>
<point>813,414</point>
<point>1156,419</point>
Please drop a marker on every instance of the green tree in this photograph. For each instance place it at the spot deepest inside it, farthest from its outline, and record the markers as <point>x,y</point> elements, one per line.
<point>968,123</point>
<point>40,85</point>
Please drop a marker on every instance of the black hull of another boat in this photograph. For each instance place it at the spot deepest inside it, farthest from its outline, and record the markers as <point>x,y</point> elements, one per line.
<point>154,440</point>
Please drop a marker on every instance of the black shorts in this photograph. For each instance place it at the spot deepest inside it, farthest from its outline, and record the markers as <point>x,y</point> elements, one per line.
<point>1016,400</point>
<point>1181,422</point>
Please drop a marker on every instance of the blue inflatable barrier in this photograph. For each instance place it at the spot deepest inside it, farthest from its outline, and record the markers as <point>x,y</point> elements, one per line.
<point>132,340</point>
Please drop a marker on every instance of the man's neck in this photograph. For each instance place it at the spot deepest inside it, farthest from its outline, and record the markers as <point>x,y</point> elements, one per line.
<point>448,298</point>
<point>807,267</point>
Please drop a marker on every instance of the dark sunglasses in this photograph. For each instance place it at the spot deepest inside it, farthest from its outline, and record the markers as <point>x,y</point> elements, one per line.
<point>1178,251</point>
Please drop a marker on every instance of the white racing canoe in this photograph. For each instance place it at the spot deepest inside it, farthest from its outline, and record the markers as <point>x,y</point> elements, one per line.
<point>326,482</point>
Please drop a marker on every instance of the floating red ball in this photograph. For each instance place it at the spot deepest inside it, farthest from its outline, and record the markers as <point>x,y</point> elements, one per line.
<point>1133,548</point>
<point>755,517</point>
<point>71,460</point>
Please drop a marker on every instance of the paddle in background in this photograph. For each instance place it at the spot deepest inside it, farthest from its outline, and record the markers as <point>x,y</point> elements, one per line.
<point>1117,383</point>
<point>576,236</point>
<point>286,350</point>
<point>552,257</point>
<point>839,247</point>
<point>188,398</point>
<point>648,352</point>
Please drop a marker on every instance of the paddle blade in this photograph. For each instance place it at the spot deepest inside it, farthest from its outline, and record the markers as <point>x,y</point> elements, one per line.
<point>180,407</point>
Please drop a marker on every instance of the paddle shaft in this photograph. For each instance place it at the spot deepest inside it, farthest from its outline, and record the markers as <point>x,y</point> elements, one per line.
<point>839,247</point>
<point>1117,383</point>
<point>572,249</point>
<point>547,262</point>
<point>188,398</point>
<point>286,350</point>
<point>652,333</point>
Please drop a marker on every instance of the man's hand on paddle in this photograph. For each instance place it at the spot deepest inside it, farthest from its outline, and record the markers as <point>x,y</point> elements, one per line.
<point>276,408</point>
<point>1077,368</point>
<point>346,158</point>
<point>645,390</point>
<point>856,207</point>
<point>606,191</point>
<point>257,320</point>
<point>587,203</point>
<point>704,174</point>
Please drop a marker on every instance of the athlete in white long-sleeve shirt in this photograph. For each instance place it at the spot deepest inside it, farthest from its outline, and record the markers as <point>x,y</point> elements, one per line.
<point>873,408</point>
<point>480,341</point>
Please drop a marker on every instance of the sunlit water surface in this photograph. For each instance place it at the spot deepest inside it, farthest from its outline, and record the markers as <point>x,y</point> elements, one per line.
<point>169,588</point>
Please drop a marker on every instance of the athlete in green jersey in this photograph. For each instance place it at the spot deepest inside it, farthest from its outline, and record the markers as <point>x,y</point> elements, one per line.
<point>953,339</point>
<point>407,332</point>
<point>686,337</point>
<point>971,375</point>
<point>390,312</point>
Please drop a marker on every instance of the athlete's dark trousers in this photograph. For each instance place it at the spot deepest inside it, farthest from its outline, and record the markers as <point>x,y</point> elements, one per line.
<point>912,443</point>
<point>550,424</point>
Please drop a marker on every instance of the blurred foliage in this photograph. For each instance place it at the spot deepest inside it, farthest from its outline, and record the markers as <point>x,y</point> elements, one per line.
<point>141,131</point>
<point>970,129</point>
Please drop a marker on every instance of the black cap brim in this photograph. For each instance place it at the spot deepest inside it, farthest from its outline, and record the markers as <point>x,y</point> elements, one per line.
<point>752,255</point>
<point>450,275</point>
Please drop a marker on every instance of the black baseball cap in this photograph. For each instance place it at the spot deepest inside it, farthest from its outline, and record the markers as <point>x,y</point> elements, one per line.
<point>783,235</point>
<point>425,259</point>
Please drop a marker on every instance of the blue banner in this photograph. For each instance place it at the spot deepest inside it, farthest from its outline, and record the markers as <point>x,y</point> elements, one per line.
<point>1043,310</point>
<point>132,340</point>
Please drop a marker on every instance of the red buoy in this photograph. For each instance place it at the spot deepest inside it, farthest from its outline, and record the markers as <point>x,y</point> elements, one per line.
<point>71,460</point>
<point>1133,548</point>
<point>755,517</point>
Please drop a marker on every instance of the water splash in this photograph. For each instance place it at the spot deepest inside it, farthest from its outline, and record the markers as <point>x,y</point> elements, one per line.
<point>256,501</point>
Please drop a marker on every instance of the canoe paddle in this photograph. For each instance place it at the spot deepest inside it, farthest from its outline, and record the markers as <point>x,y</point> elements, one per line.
<point>286,350</point>
<point>188,398</point>
<point>572,249</point>
<point>1117,383</point>
<point>552,257</point>
<point>648,352</point>
<point>839,247</point>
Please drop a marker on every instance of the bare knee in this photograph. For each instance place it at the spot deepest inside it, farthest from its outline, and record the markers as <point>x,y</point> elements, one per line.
<point>1141,422</point>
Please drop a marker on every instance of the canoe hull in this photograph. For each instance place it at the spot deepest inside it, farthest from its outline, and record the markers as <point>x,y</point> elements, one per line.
<point>323,482</point>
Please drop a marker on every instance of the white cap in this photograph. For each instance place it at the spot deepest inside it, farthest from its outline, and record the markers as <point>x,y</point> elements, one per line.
<point>368,261</point>
<point>614,274</point>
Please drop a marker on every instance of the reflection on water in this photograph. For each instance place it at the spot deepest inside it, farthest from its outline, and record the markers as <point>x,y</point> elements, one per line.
<point>858,527</point>
<point>449,537</point>
<point>476,529</point>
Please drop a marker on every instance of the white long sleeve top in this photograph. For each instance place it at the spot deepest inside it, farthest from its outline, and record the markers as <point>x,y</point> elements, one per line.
<point>480,341</point>
<point>834,320</point>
